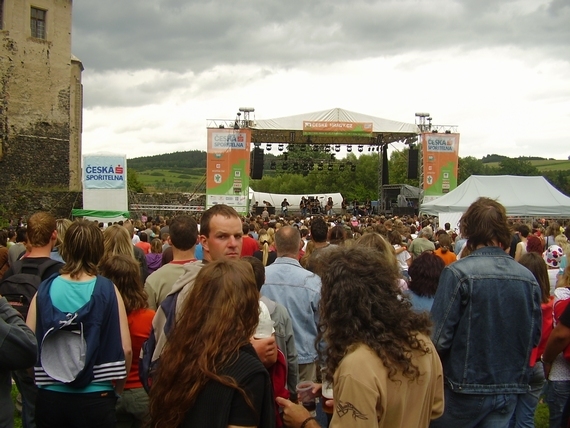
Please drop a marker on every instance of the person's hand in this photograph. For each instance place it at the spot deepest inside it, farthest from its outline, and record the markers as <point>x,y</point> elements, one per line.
<point>293,414</point>
<point>266,350</point>
<point>546,367</point>
<point>317,389</point>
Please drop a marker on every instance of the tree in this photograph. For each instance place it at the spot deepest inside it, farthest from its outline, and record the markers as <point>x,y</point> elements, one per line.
<point>517,166</point>
<point>469,166</point>
<point>133,182</point>
<point>398,168</point>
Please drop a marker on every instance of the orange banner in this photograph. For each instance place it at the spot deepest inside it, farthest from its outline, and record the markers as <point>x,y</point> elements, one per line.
<point>228,168</point>
<point>440,154</point>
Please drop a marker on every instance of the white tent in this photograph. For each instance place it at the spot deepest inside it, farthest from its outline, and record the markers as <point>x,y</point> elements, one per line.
<point>337,114</point>
<point>275,199</point>
<point>521,196</point>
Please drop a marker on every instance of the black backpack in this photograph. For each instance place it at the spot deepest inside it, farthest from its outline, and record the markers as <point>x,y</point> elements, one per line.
<point>22,285</point>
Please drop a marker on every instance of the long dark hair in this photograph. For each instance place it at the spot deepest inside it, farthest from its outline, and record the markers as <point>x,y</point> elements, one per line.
<point>361,303</point>
<point>125,273</point>
<point>218,317</point>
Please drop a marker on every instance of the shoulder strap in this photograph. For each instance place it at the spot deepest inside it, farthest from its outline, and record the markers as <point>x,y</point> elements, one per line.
<point>45,266</point>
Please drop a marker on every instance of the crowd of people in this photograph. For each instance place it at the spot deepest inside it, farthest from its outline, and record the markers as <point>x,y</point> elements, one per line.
<point>271,320</point>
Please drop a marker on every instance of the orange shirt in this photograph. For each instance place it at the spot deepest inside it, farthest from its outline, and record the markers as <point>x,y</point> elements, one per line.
<point>140,323</point>
<point>145,246</point>
<point>447,258</point>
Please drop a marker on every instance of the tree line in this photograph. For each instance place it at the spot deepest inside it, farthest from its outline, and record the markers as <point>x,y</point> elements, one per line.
<point>316,170</point>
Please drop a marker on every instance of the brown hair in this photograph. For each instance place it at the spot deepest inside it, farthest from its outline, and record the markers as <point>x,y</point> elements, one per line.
<point>82,249</point>
<point>444,242</point>
<point>156,246</point>
<point>222,210</point>
<point>118,241</point>
<point>376,315</point>
<point>125,273</point>
<point>219,316</point>
<point>535,264</point>
<point>485,223</point>
<point>40,228</point>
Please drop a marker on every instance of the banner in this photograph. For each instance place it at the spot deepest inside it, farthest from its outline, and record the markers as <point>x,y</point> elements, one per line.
<point>104,172</point>
<point>337,128</point>
<point>440,154</point>
<point>228,168</point>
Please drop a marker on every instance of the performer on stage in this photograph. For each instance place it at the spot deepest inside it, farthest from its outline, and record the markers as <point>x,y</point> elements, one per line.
<point>329,206</point>
<point>284,207</point>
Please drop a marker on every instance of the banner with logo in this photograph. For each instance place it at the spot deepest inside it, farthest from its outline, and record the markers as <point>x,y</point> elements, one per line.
<point>317,127</point>
<point>227,168</point>
<point>104,172</point>
<point>440,159</point>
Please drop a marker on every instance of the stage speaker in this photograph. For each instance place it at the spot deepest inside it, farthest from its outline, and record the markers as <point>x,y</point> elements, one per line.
<point>385,171</point>
<point>413,156</point>
<point>256,170</point>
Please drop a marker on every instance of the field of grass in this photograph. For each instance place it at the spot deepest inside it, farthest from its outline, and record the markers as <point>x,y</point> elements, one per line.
<point>172,180</point>
<point>543,165</point>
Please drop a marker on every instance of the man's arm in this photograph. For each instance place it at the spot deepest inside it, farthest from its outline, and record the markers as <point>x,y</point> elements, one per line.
<point>18,345</point>
<point>293,369</point>
<point>445,311</point>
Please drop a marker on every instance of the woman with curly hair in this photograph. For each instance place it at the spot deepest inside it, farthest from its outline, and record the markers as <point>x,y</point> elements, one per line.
<point>209,374</point>
<point>383,366</point>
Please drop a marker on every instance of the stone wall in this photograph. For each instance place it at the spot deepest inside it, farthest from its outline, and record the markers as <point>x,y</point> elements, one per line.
<point>16,203</point>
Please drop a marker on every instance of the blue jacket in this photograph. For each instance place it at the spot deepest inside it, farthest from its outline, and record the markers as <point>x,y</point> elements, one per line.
<point>299,290</point>
<point>487,319</point>
<point>104,359</point>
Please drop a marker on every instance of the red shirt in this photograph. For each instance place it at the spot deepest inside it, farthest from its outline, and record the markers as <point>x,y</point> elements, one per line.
<point>249,246</point>
<point>140,323</point>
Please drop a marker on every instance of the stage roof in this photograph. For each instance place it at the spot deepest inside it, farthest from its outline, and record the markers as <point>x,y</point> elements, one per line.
<point>289,130</point>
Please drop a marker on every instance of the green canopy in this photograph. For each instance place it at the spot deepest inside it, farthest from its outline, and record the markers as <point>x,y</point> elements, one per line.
<point>99,214</point>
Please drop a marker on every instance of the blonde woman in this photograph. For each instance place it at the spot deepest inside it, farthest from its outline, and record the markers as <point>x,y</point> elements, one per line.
<point>118,241</point>
<point>265,253</point>
<point>61,224</point>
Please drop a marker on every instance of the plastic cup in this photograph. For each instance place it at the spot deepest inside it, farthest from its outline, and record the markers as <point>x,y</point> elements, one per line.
<point>264,329</point>
<point>327,393</point>
<point>306,396</point>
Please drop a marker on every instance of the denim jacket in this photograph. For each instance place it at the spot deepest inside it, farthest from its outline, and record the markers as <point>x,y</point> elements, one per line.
<point>299,290</point>
<point>487,319</point>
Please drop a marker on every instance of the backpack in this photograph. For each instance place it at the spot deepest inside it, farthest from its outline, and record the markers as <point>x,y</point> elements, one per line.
<point>557,311</point>
<point>22,285</point>
<point>148,365</point>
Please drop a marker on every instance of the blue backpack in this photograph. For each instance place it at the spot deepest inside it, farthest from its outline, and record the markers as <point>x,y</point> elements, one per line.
<point>148,366</point>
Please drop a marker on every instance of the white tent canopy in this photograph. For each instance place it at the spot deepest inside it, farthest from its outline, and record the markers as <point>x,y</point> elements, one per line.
<point>337,114</point>
<point>275,199</point>
<point>521,196</point>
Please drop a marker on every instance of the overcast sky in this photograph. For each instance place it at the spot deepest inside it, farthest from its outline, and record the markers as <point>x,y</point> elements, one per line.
<point>155,71</point>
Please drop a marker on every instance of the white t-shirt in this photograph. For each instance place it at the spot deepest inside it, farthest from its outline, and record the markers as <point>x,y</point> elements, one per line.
<point>402,258</point>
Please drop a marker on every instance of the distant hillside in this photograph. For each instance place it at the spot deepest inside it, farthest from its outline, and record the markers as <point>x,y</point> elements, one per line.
<point>191,159</point>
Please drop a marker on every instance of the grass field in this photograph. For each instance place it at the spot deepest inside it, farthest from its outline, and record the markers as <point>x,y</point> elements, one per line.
<point>172,180</point>
<point>543,165</point>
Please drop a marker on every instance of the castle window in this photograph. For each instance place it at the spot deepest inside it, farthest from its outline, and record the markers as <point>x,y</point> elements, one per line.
<point>38,23</point>
<point>1,14</point>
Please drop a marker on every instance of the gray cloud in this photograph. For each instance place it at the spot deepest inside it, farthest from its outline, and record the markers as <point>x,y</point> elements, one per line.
<point>181,36</point>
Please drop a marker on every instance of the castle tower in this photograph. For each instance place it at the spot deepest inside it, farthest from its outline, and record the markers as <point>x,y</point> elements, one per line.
<point>41,96</point>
